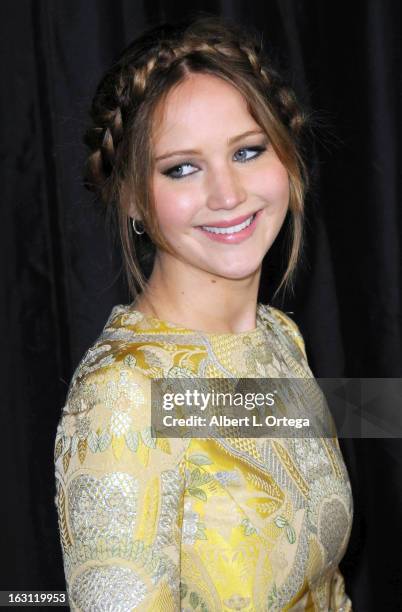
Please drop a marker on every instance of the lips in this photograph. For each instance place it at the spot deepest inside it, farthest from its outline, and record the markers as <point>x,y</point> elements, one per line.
<point>229,237</point>
<point>230,223</point>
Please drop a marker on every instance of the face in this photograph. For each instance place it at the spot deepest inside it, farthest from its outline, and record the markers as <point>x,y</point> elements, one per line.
<point>221,193</point>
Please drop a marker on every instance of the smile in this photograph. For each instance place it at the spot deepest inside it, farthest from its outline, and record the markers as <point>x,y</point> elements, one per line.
<point>229,230</point>
<point>233,234</point>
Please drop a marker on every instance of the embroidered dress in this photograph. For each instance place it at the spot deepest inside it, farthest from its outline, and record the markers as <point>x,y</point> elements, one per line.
<point>180,524</point>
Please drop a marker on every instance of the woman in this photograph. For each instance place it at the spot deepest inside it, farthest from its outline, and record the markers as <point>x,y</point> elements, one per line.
<point>196,142</point>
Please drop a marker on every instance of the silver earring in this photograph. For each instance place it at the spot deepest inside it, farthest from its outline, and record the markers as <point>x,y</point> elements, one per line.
<point>134,221</point>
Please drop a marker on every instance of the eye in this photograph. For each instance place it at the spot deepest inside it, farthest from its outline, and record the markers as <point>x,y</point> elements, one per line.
<point>244,153</point>
<point>176,172</point>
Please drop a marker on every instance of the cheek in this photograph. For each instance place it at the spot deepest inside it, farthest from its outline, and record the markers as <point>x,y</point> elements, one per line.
<point>272,184</point>
<point>173,202</point>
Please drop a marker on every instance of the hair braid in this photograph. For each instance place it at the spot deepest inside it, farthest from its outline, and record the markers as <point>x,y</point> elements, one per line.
<point>126,84</point>
<point>285,99</point>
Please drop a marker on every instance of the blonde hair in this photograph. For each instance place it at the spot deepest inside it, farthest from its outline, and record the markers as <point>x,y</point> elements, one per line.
<point>120,163</point>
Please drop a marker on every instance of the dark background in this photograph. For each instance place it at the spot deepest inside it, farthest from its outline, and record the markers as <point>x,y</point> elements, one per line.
<point>61,271</point>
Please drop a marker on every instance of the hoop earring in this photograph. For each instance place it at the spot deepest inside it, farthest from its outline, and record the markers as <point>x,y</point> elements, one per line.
<point>139,233</point>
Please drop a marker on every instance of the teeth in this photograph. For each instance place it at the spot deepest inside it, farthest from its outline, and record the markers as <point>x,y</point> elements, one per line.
<point>229,230</point>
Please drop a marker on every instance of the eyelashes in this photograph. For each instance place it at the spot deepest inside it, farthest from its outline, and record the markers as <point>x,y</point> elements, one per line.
<point>257,150</point>
<point>170,172</point>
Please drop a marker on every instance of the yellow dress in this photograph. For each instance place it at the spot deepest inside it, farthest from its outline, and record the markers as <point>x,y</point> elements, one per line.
<point>184,524</point>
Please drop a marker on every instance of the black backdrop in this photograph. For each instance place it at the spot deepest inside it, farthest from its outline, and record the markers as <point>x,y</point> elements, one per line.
<point>61,272</point>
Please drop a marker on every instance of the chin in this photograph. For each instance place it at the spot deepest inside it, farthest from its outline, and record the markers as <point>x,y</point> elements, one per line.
<point>234,272</point>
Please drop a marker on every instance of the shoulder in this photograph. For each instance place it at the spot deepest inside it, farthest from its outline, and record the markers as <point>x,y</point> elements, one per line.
<point>110,385</point>
<point>107,418</point>
<point>108,377</point>
<point>119,351</point>
<point>288,326</point>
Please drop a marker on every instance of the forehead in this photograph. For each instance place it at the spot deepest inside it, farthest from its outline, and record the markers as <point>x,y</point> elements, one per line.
<point>200,105</point>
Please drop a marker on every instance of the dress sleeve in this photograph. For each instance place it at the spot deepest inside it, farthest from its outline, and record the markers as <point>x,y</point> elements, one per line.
<point>339,601</point>
<point>119,496</point>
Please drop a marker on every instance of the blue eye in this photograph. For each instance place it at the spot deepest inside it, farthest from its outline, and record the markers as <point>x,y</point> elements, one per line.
<point>256,150</point>
<point>178,169</point>
<point>177,172</point>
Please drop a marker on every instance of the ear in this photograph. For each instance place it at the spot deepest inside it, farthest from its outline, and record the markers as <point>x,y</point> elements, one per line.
<point>127,201</point>
<point>132,210</point>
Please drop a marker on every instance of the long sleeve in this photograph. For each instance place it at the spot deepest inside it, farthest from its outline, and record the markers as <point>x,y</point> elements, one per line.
<point>339,601</point>
<point>192,523</point>
<point>119,495</point>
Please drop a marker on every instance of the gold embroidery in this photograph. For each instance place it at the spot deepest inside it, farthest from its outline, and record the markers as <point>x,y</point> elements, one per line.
<point>293,471</point>
<point>193,523</point>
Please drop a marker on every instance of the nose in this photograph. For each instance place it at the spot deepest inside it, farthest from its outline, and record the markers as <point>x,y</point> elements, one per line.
<point>225,188</point>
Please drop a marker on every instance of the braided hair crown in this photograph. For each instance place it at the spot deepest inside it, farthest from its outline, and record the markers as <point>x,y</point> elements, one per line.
<point>130,81</point>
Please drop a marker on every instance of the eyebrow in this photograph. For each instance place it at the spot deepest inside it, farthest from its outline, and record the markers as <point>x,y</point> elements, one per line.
<point>231,141</point>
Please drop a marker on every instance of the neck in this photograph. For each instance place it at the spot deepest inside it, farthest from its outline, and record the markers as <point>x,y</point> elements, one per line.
<point>197,299</point>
